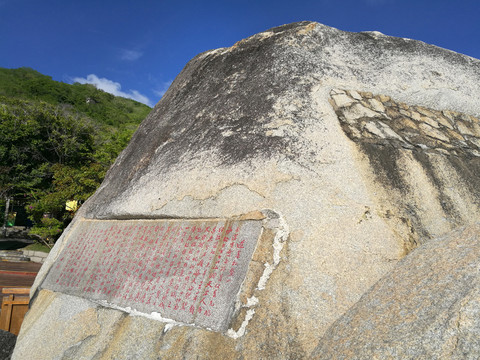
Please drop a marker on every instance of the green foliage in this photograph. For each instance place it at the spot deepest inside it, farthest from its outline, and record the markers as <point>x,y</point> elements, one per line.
<point>33,137</point>
<point>101,106</point>
<point>37,247</point>
<point>55,146</point>
<point>48,230</point>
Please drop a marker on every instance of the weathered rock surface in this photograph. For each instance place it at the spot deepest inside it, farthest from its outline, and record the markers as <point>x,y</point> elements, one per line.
<point>363,145</point>
<point>428,307</point>
<point>397,138</point>
<point>7,343</point>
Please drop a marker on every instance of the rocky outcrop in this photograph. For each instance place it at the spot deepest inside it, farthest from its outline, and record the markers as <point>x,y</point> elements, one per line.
<point>359,146</point>
<point>397,139</point>
<point>426,308</point>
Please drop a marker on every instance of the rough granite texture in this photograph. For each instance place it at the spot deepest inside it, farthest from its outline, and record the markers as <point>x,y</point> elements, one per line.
<point>256,126</point>
<point>428,307</point>
<point>7,343</point>
<point>153,266</point>
<point>397,138</point>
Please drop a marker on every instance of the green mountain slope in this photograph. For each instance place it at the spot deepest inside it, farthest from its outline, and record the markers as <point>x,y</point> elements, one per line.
<point>56,143</point>
<point>106,108</point>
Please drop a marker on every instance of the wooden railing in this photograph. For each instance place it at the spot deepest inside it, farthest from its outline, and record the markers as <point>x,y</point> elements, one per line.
<point>14,307</point>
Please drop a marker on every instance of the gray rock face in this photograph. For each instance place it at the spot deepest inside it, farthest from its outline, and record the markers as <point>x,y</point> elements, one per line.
<point>392,135</point>
<point>428,307</point>
<point>7,343</point>
<point>186,270</point>
<point>226,100</point>
<point>354,148</point>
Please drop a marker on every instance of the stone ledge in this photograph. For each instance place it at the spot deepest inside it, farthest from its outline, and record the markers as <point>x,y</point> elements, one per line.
<point>36,256</point>
<point>379,119</point>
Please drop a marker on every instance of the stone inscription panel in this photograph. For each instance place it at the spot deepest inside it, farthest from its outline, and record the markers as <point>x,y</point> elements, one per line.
<point>186,270</point>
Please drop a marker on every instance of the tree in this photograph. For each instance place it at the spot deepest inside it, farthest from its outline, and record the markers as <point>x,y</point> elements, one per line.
<point>48,156</point>
<point>56,143</point>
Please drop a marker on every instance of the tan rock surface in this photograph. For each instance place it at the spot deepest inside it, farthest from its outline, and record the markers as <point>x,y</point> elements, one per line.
<point>252,127</point>
<point>428,307</point>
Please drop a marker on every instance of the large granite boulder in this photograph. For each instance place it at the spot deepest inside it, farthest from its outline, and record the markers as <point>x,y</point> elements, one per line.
<point>428,307</point>
<point>350,150</point>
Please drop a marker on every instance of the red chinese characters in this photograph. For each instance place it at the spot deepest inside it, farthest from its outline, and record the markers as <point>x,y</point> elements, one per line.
<point>167,266</point>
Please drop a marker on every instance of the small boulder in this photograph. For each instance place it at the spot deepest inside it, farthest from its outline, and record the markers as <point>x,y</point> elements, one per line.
<point>428,307</point>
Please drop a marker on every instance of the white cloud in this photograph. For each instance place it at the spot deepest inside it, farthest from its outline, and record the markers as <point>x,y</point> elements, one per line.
<point>113,87</point>
<point>163,88</point>
<point>130,55</point>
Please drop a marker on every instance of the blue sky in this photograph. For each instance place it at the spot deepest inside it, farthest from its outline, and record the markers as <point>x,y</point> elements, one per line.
<point>136,48</point>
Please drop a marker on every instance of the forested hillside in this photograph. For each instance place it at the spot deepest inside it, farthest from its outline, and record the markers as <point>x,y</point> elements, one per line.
<point>56,143</point>
<point>106,108</point>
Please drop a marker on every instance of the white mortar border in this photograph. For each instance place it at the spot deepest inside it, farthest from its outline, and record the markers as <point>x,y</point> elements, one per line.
<point>273,220</point>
